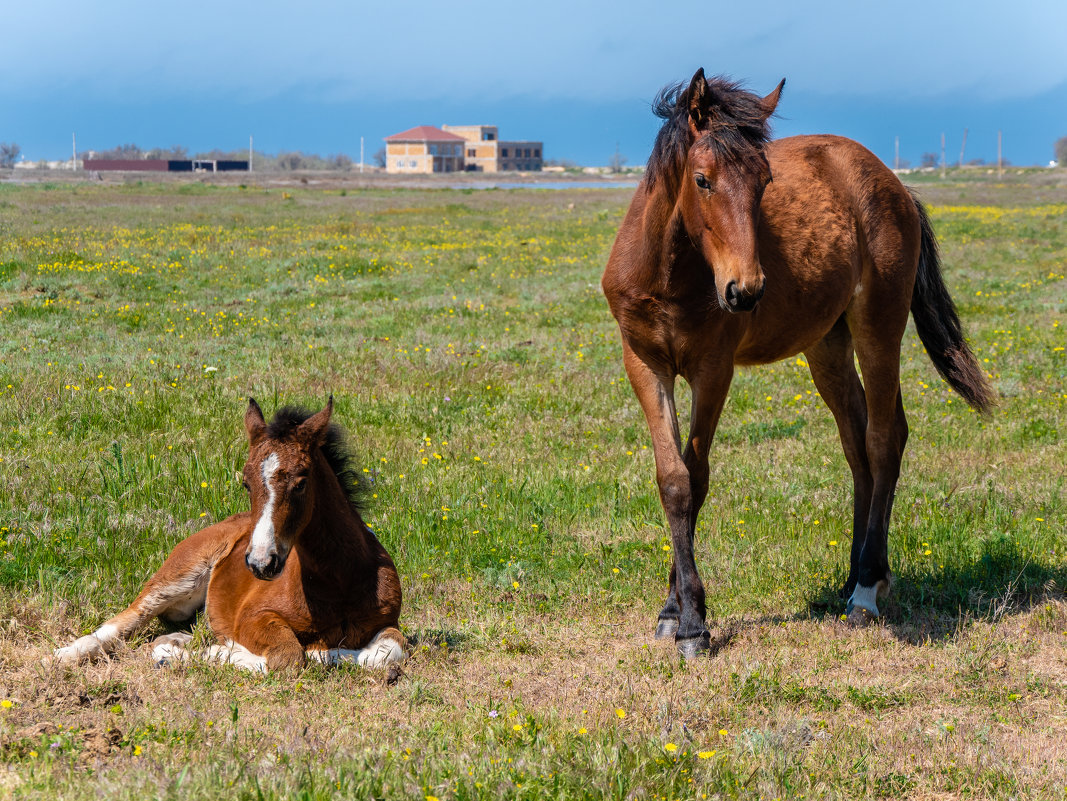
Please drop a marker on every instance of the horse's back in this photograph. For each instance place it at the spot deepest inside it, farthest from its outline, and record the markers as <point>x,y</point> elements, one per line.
<point>834,222</point>
<point>836,188</point>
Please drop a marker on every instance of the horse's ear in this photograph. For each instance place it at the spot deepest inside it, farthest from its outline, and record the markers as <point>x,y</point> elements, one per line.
<point>254,422</point>
<point>698,97</point>
<point>770,102</point>
<point>313,430</point>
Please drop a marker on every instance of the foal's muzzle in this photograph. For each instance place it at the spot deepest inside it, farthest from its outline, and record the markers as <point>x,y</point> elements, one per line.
<point>268,571</point>
<point>738,300</point>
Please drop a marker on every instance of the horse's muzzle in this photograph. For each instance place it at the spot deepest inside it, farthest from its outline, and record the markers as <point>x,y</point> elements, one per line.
<point>269,571</point>
<point>737,300</point>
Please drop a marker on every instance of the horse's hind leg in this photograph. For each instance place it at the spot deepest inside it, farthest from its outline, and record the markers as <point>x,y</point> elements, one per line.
<point>174,592</point>
<point>878,351</point>
<point>833,369</point>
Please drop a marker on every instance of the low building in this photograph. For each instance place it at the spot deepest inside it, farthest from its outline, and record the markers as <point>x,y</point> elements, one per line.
<point>523,156</point>
<point>484,152</point>
<point>166,165</point>
<point>424,149</point>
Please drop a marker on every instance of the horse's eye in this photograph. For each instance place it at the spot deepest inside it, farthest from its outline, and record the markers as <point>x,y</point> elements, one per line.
<point>702,182</point>
<point>300,484</point>
<point>245,485</point>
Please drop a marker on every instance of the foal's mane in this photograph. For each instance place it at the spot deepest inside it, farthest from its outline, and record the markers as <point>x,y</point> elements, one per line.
<point>336,449</point>
<point>737,128</point>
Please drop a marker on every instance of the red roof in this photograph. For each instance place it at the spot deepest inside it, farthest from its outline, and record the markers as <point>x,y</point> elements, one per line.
<point>424,133</point>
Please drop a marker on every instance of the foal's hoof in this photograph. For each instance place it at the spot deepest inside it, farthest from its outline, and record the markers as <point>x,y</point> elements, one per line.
<point>666,628</point>
<point>693,647</point>
<point>860,618</point>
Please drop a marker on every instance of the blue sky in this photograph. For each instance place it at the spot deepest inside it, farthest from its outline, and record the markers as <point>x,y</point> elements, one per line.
<point>317,75</point>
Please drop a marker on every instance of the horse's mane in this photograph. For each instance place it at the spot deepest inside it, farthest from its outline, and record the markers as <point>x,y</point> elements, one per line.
<point>738,127</point>
<point>336,449</point>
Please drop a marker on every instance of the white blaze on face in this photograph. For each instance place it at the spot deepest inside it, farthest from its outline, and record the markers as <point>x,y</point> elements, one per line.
<point>263,534</point>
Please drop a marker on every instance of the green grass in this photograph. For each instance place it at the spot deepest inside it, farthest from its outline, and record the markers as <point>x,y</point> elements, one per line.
<point>474,362</point>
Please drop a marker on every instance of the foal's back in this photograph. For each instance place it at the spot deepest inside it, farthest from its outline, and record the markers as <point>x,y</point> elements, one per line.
<point>820,247</point>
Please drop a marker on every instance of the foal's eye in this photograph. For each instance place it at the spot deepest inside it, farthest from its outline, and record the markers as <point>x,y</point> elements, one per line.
<point>300,484</point>
<point>701,181</point>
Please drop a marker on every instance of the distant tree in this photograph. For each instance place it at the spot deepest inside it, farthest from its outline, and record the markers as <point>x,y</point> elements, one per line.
<point>615,164</point>
<point>979,162</point>
<point>928,160</point>
<point>379,157</point>
<point>291,161</point>
<point>1060,149</point>
<point>339,161</point>
<point>128,151</point>
<point>9,153</point>
<point>175,153</point>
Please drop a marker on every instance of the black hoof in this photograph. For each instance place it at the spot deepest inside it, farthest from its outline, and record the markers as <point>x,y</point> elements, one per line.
<point>666,628</point>
<point>693,647</point>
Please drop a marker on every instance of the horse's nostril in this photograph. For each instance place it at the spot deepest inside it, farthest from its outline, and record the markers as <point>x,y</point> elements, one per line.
<point>731,293</point>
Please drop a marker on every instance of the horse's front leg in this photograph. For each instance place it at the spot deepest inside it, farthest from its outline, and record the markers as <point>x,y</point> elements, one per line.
<point>655,392</point>
<point>268,636</point>
<point>709,394</point>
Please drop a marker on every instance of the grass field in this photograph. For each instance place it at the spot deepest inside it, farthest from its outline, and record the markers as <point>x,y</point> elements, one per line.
<point>475,364</point>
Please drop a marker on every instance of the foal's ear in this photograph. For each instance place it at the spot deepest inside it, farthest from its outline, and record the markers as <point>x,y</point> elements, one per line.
<point>254,423</point>
<point>770,102</point>
<point>313,430</point>
<point>698,97</point>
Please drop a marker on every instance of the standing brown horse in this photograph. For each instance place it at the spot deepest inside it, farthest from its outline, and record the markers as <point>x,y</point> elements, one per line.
<point>718,265</point>
<point>299,576</point>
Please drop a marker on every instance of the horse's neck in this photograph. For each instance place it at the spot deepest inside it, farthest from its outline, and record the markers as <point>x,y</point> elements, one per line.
<point>336,540</point>
<point>665,245</point>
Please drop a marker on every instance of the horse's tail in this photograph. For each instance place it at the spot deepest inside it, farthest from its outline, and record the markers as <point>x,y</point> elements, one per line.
<point>939,327</point>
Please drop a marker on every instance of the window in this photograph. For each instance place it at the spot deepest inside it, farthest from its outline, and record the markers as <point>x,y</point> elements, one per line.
<point>413,163</point>
<point>504,152</point>
<point>526,153</point>
<point>400,164</point>
<point>537,152</point>
<point>488,136</point>
<point>471,152</point>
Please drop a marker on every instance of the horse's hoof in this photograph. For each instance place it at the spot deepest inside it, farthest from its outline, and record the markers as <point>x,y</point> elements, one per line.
<point>860,618</point>
<point>666,628</point>
<point>693,647</point>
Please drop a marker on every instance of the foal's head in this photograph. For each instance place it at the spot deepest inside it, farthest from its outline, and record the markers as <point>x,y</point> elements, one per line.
<point>710,154</point>
<point>280,478</point>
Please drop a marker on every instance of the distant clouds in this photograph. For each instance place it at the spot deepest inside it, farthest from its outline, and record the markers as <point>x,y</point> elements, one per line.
<point>596,50</point>
<point>318,74</point>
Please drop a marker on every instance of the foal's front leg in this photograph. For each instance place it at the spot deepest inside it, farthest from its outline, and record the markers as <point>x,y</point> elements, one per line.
<point>655,392</point>
<point>269,636</point>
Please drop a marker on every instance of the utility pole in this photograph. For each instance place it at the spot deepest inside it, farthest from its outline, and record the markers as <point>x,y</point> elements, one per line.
<point>963,146</point>
<point>361,155</point>
<point>250,152</point>
<point>1000,160</point>
<point>896,153</point>
<point>942,155</point>
<point>73,152</point>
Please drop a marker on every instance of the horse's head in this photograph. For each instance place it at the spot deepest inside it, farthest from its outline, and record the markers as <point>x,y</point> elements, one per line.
<point>725,175</point>
<point>278,476</point>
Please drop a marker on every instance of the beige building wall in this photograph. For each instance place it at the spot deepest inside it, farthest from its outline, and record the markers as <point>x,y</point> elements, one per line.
<point>423,157</point>
<point>480,153</point>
